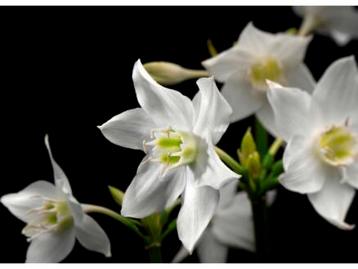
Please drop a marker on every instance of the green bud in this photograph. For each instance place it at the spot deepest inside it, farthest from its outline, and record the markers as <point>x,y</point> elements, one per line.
<point>116,194</point>
<point>254,165</point>
<point>248,146</point>
<point>292,31</point>
<point>167,73</point>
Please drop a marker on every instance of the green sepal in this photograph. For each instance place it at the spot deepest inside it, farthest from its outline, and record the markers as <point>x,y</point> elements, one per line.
<point>171,227</point>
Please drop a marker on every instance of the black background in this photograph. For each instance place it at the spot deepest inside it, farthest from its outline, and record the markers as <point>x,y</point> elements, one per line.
<point>65,70</point>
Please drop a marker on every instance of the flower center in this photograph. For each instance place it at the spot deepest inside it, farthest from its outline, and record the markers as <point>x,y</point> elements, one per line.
<point>172,148</point>
<point>269,69</point>
<point>51,216</point>
<point>338,146</point>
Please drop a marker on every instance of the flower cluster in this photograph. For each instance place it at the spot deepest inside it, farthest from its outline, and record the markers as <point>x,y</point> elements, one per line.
<point>223,200</point>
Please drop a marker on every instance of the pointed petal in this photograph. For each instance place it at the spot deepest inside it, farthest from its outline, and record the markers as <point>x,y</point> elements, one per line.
<point>51,247</point>
<point>181,255</point>
<point>304,171</point>
<point>129,129</point>
<point>291,109</point>
<point>198,208</point>
<point>216,174</point>
<point>60,178</point>
<point>210,250</point>
<point>20,204</point>
<point>212,111</point>
<point>151,191</point>
<point>225,64</point>
<point>333,201</point>
<point>92,236</point>
<point>242,97</point>
<point>300,77</point>
<point>254,40</point>
<point>167,108</point>
<point>337,91</point>
<point>227,194</point>
<point>233,226</point>
<point>266,117</point>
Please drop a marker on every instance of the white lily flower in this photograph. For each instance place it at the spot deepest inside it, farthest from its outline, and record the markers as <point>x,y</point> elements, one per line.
<point>231,226</point>
<point>54,219</point>
<point>321,130</point>
<point>178,136</point>
<point>255,57</point>
<point>340,22</point>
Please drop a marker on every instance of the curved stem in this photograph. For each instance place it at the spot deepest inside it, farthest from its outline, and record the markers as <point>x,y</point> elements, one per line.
<point>231,162</point>
<point>88,208</point>
<point>308,25</point>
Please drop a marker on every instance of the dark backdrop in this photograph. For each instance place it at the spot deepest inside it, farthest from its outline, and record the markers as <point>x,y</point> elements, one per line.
<point>65,70</point>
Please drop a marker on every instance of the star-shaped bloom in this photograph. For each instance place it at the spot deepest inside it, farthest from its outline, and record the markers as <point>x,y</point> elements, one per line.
<point>178,137</point>
<point>321,132</point>
<point>231,226</point>
<point>54,219</point>
<point>256,57</point>
<point>340,22</point>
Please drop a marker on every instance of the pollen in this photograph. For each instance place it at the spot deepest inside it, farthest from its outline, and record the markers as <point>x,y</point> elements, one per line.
<point>267,69</point>
<point>338,146</point>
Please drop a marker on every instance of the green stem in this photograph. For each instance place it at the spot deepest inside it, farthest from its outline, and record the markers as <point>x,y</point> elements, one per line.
<point>155,253</point>
<point>231,162</point>
<point>108,212</point>
<point>260,226</point>
<point>275,146</point>
<point>261,138</point>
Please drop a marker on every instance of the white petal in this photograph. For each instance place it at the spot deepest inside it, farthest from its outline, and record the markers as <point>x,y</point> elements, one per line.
<point>337,91</point>
<point>212,111</point>
<point>289,49</point>
<point>151,191</point>
<point>254,40</point>
<point>332,202</point>
<point>198,208</point>
<point>305,172</point>
<point>228,62</point>
<point>227,194</point>
<point>92,236</point>
<point>216,174</point>
<point>166,107</point>
<point>341,39</point>
<point>351,175</point>
<point>181,255</point>
<point>29,198</point>
<point>60,178</point>
<point>300,77</point>
<point>233,226</point>
<point>291,108</point>
<point>267,119</point>
<point>51,247</point>
<point>129,129</point>
<point>210,250</point>
<point>242,97</point>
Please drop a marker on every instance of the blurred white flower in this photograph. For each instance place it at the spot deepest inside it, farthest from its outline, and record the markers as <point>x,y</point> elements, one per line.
<point>256,57</point>
<point>340,22</point>
<point>231,226</point>
<point>178,136</point>
<point>54,219</point>
<point>322,135</point>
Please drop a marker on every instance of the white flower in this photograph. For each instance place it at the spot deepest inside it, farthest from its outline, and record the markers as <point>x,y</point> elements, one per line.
<point>231,226</point>
<point>255,57</point>
<point>178,136</point>
<point>322,135</point>
<point>54,219</point>
<point>340,22</point>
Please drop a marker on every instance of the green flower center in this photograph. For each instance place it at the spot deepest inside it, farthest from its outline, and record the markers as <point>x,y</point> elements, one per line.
<point>173,148</point>
<point>267,69</point>
<point>338,146</point>
<point>51,216</point>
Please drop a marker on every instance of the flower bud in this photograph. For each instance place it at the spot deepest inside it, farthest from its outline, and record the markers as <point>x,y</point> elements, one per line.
<point>116,194</point>
<point>167,73</point>
<point>248,146</point>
